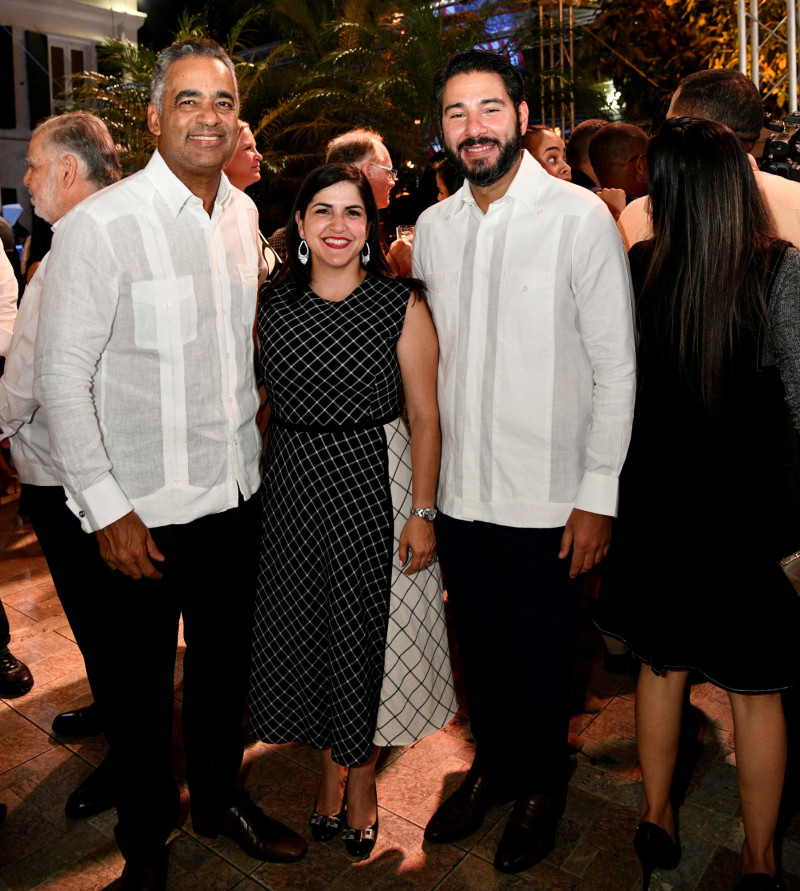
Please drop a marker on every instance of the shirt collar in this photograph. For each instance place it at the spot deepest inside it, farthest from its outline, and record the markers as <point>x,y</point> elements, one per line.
<point>523,188</point>
<point>177,194</point>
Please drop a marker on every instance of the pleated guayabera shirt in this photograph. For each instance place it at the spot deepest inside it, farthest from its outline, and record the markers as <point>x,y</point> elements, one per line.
<point>144,355</point>
<point>537,373</point>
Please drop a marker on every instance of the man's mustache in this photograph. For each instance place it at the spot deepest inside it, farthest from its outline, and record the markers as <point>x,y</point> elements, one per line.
<point>477,140</point>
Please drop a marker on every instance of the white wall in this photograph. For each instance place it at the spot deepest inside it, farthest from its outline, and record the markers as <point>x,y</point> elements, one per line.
<point>79,24</point>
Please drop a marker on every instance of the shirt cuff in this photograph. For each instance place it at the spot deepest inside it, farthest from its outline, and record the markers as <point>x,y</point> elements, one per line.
<point>598,494</point>
<point>100,505</point>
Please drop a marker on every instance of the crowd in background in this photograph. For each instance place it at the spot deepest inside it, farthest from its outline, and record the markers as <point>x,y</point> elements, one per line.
<point>458,387</point>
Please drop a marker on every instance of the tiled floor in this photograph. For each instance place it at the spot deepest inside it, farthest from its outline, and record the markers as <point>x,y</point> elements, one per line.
<point>41,848</point>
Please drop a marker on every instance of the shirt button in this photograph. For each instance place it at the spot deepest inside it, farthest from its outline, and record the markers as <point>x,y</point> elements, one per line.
<point>540,211</point>
<point>447,217</point>
<point>524,287</point>
<point>81,513</point>
<point>177,482</point>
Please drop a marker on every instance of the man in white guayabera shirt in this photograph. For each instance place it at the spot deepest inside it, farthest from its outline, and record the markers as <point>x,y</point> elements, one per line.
<point>529,288</point>
<point>144,368</point>
<point>70,157</point>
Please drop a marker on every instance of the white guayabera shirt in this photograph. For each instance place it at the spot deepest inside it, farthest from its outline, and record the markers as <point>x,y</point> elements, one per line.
<point>537,373</point>
<point>144,355</point>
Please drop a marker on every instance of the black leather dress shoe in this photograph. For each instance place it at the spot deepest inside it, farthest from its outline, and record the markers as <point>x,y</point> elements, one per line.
<point>138,876</point>
<point>80,722</point>
<point>256,834</point>
<point>95,794</point>
<point>463,812</point>
<point>529,835</point>
<point>15,677</point>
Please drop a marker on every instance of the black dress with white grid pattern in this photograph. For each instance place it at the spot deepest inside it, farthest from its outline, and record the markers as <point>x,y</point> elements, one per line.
<point>323,589</point>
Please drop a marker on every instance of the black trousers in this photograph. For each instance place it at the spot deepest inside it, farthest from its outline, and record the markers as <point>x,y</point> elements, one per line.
<point>128,633</point>
<point>514,612</point>
<point>209,578</point>
<point>80,577</point>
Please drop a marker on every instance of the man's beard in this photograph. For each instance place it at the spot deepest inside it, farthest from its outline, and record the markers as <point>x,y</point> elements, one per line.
<point>483,173</point>
<point>45,204</point>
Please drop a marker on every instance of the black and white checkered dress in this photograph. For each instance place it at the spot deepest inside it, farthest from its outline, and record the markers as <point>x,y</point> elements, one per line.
<point>322,601</point>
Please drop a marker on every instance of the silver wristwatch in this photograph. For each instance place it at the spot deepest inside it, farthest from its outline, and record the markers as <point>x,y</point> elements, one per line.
<point>427,513</point>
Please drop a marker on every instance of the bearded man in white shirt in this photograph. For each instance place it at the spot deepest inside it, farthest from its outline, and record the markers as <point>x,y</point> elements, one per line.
<point>529,288</point>
<point>144,367</point>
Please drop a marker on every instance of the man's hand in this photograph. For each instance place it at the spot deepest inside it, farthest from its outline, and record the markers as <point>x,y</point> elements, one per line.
<point>614,199</point>
<point>127,545</point>
<point>418,537</point>
<point>588,535</point>
<point>399,258</point>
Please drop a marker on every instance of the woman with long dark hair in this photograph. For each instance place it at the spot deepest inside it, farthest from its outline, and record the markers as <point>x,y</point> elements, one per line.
<point>339,333</point>
<point>707,509</point>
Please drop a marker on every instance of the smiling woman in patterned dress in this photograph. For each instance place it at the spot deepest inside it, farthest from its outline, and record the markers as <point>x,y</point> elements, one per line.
<point>339,336</point>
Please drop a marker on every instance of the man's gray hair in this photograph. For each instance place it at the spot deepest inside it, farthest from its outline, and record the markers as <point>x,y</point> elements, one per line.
<point>86,137</point>
<point>353,147</point>
<point>202,47</point>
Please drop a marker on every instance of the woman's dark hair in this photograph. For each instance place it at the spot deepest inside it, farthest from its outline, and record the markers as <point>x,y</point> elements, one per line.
<point>712,241</point>
<point>450,177</point>
<point>321,178</point>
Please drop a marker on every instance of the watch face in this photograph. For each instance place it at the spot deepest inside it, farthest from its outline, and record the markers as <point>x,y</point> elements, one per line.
<point>428,513</point>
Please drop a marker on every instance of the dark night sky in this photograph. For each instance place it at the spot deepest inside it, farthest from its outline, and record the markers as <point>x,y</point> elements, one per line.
<point>163,15</point>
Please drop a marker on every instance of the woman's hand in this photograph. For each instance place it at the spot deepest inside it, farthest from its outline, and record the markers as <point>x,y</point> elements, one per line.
<point>418,538</point>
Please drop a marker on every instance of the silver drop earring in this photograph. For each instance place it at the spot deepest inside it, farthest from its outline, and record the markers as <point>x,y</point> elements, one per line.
<point>303,252</point>
<point>365,254</point>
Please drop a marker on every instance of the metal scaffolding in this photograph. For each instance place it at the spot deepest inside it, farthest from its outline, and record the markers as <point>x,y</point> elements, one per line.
<point>760,35</point>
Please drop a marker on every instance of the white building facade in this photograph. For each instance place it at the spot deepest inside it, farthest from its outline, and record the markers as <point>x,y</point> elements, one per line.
<point>42,42</point>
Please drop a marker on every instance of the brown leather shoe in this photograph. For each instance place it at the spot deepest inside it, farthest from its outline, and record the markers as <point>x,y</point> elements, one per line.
<point>529,835</point>
<point>256,834</point>
<point>463,812</point>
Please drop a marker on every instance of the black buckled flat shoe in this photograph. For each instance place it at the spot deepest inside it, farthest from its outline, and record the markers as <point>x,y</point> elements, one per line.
<point>325,827</point>
<point>529,835</point>
<point>83,721</point>
<point>15,677</point>
<point>360,842</point>
<point>256,834</point>
<point>95,794</point>
<point>463,812</point>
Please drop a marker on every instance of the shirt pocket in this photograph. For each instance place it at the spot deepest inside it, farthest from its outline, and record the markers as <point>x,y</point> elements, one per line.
<point>164,311</point>
<point>525,310</point>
